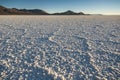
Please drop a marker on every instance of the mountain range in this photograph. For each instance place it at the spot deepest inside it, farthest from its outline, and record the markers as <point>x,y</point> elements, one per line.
<point>15,11</point>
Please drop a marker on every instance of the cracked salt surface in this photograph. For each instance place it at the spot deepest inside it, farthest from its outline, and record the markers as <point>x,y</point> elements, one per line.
<point>59,47</point>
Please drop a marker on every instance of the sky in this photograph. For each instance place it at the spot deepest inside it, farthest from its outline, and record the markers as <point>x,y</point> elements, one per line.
<point>107,7</point>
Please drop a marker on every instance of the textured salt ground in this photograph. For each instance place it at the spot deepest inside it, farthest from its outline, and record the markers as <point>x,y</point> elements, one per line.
<point>59,47</point>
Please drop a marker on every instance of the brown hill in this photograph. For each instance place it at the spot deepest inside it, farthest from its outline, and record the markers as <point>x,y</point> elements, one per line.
<point>14,11</point>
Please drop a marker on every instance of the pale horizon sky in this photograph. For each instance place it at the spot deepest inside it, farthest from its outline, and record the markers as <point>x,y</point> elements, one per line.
<point>106,7</point>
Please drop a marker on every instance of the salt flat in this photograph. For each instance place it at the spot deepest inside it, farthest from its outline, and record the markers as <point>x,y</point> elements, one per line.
<point>59,47</point>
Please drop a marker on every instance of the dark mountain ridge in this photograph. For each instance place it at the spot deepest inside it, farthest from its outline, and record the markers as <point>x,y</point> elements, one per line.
<point>69,12</point>
<point>15,11</point>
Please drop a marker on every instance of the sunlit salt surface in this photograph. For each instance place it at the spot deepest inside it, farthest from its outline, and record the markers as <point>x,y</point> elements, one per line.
<point>59,47</point>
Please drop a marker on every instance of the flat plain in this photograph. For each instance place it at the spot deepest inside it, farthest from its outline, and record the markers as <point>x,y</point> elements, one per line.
<point>59,47</point>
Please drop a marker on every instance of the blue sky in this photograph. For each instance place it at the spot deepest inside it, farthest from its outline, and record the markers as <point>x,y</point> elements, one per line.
<point>108,7</point>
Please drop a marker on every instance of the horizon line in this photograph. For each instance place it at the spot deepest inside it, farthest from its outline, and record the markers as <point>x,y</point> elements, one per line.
<point>64,11</point>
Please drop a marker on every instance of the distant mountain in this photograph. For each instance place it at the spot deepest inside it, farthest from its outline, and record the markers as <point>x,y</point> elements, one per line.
<point>34,11</point>
<point>69,12</point>
<point>14,11</point>
<point>8,11</point>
